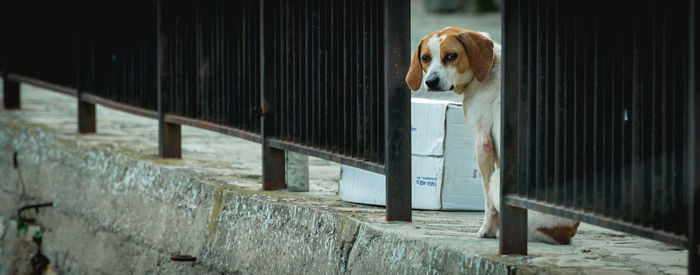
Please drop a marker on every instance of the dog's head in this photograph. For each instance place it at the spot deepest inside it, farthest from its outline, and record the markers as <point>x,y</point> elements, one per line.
<point>449,58</point>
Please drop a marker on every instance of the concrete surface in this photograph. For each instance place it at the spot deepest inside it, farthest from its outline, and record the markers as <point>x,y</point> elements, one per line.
<point>118,208</point>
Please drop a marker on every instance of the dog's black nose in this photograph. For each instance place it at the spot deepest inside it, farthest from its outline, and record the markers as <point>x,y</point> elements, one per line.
<point>432,83</point>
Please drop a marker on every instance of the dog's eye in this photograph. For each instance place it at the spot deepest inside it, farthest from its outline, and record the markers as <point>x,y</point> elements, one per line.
<point>450,57</point>
<point>425,58</point>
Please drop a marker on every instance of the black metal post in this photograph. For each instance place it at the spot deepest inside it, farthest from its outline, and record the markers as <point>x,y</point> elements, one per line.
<point>273,173</point>
<point>513,220</point>
<point>693,150</point>
<point>10,93</point>
<point>10,89</point>
<point>87,118</point>
<point>169,136</point>
<point>397,116</point>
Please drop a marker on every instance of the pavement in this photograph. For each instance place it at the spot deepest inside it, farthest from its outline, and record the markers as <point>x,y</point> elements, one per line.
<point>117,203</point>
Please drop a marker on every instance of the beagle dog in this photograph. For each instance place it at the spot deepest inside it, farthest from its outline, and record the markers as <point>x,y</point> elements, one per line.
<point>469,64</point>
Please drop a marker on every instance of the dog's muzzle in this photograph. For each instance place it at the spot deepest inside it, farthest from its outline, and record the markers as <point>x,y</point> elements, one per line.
<point>433,84</point>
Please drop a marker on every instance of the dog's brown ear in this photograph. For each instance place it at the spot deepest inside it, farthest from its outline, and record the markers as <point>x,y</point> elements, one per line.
<point>414,77</point>
<point>479,52</point>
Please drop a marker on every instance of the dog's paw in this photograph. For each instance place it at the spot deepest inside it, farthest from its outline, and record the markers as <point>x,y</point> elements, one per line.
<point>485,233</point>
<point>481,233</point>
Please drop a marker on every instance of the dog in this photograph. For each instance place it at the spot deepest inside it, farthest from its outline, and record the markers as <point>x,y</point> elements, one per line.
<point>469,64</point>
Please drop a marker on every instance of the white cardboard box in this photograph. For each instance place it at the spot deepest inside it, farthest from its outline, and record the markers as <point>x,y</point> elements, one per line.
<point>444,169</point>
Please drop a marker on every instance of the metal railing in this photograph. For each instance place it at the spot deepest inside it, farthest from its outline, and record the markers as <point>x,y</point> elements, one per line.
<point>323,78</point>
<point>599,103</point>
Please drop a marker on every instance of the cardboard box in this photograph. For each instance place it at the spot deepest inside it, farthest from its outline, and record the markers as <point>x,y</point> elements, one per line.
<point>445,172</point>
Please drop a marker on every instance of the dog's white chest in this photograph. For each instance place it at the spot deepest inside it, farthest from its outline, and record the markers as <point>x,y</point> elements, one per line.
<point>478,111</point>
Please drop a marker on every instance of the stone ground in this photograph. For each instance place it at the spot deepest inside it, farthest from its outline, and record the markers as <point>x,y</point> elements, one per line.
<point>235,162</point>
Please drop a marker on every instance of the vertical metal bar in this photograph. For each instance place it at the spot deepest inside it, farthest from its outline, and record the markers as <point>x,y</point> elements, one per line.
<point>595,124</point>
<point>318,92</point>
<point>278,71</point>
<point>3,69</point>
<point>228,73</point>
<point>363,93</point>
<point>636,116</point>
<point>693,149</point>
<point>324,86</point>
<point>597,109</point>
<point>513,221</point>
<point>397,115</point>
<point>538,100</point>
<point>574,83</point>
<point>344,79</point>
<point>551,140</point>
<point>317,61</point>
<point>306,74</point>
<point>604,191</point>
<point>296,72</point>
<point>241,85</point>
<point>334,66</point>
<point>371,138</point>
<point>657,158</point>
<point>288,77</point>
<point>616,126</point>
<point>647,115</point>
<point>273,173</point>
<point>87,119</point>
<point>667,144</point>
<point>381,108</point>
<point>580,103</point>
<point>168,133</point>
<point>625,141</point>
<point>568,51</point>
<point>282,107</point>
<point>562,97</point>
<point>526,104</point>
<point>10,89</point>
<point>349,114</point>
<point>679,81</point>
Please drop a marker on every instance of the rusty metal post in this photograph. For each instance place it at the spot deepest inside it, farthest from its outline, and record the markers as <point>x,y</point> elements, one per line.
<point>397,116</point>
<point>169,134</point>
<point>513,220</point>
<point>169,138</point>
<point>273,172</point>
<point>87,117</point>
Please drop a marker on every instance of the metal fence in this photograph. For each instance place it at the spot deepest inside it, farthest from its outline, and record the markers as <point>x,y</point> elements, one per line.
<point>323,78</point>
<point>599,118</point>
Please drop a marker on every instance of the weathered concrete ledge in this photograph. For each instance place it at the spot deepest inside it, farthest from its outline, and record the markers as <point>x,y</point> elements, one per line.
<point>115,213</point>
<point>120,209</point>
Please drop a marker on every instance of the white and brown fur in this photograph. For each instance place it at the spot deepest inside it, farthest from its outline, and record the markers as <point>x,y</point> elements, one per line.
<point>469,63</point>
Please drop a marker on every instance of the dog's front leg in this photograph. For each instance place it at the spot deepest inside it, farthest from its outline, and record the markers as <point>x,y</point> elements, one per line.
<point>486,158</point>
